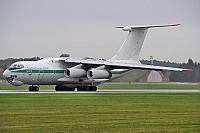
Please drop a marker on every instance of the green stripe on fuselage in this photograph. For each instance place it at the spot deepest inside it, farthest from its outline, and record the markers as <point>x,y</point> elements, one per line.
<point>120,72</point>
<point>37,71</point>
<point>61,71</point>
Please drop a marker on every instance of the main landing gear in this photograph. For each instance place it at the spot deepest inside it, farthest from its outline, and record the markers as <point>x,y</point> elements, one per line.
<point>80,88</point>
<point>87,88</point>
<point>63,88</point>
<point>33,88</point>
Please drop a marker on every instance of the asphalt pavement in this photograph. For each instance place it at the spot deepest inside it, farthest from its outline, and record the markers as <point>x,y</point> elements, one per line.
<point>105,91</point>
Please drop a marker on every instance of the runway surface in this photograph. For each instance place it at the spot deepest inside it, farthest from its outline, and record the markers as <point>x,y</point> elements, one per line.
<point>105,91</point>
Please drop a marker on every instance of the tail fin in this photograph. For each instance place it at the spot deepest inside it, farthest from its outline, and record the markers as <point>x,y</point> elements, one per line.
<point>130,49</point>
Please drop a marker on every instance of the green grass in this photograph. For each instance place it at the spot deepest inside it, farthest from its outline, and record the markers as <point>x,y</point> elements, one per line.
<point>6,86</point>
<point>96,112</point>
<point>133,76</point>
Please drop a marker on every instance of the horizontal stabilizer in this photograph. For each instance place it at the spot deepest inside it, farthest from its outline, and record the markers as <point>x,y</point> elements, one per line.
<point>130,28</point>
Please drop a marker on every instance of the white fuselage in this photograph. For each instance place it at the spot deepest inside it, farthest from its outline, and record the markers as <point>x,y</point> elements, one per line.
<point>51,71</point>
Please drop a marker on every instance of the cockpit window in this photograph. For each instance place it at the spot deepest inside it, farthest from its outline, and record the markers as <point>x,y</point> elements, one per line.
<point>16,66</point>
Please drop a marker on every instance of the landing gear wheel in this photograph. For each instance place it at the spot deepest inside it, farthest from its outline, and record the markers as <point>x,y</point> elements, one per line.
<point>33,88</point>
<point>63,88</point>
<point>93,88</point>
<point>58,88</point>
<point>80,88</point>
<point>71,89</point>
<point>87,88</point>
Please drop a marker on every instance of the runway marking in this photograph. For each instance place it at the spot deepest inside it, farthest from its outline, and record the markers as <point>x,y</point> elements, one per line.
<point>104,91</point>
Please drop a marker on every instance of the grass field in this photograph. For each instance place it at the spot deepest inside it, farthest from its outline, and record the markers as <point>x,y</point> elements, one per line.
<point>96,112</point>
<point>6,86</point>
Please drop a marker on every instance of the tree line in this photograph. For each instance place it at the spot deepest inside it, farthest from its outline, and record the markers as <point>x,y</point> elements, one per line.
<point>180,76</point>
<point>4,64</point>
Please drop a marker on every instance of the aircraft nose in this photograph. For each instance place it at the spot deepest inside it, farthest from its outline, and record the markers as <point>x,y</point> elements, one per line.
<point>6,74</point>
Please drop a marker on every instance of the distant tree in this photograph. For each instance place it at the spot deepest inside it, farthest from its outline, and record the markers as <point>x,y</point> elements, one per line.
<point>31,59</point>
<point>7,62</point>
<point>180,76</point>
<point>190,62</point>
<point>65,55</point>
<point>186,76</point>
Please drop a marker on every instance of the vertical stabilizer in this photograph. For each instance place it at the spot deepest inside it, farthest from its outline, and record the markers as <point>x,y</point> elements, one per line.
<point>130,49</point>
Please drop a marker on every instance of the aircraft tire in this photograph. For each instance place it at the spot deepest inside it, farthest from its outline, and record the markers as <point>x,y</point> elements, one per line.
<point>36,88</point>
<point>80,88</point>
<point>93,88</point>
<point>68,89</point>
<point>58,88</point>
<point>63,88</point>
<point>87,88</point>
<point>33,88</point>
<point>30,88</point>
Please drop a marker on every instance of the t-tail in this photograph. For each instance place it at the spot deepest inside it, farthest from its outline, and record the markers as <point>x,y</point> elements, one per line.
<point>130,49</point>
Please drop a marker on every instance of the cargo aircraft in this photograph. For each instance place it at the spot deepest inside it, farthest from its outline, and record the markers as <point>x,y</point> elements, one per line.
<point>68,73</point>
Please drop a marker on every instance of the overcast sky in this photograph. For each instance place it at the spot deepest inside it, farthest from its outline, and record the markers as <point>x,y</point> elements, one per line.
<point>86,28</point>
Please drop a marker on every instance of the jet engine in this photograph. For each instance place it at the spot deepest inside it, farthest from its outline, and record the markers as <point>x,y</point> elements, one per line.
<point>98,74</point>
<point>75,73</point>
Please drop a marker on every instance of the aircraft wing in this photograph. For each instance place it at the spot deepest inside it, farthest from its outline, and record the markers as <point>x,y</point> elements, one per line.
<point>119,65</point>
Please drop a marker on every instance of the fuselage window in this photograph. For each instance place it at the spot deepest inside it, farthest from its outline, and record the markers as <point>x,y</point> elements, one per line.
<point>16,66</point>
<point>13,76</point>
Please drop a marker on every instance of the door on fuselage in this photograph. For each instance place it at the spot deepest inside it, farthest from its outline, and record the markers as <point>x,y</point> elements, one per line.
<point>40,75</point>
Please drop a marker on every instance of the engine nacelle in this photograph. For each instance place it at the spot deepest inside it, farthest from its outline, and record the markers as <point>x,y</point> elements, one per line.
<point>75,73</point>
<point>98,74</point>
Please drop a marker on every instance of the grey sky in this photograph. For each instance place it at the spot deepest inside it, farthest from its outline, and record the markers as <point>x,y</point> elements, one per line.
<point>48,28</point>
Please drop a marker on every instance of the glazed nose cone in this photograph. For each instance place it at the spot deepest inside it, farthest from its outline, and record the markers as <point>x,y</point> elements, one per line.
<point>6,74</point>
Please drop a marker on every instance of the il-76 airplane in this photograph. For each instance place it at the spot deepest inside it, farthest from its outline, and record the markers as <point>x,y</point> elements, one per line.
<point>68,73</point>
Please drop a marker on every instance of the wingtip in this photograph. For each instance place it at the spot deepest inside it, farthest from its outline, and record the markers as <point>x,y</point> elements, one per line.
<point>188,70</point>
<point>176,24</point>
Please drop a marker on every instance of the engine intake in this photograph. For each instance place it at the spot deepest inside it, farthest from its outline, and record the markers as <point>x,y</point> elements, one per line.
<point>75,73</point>
<point>98,74</point>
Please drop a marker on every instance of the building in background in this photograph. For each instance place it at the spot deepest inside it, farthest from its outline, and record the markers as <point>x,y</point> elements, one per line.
<point>154,77</point>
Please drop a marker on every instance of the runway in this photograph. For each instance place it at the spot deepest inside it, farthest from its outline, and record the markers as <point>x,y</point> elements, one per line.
<point>103,91</point>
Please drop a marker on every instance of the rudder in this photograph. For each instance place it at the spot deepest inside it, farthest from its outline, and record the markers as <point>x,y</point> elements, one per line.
<point>132,45</point>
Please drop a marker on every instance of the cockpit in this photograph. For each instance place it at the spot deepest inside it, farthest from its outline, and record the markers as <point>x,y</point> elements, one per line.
<point>15,66</point>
